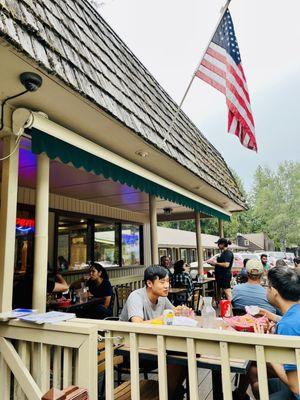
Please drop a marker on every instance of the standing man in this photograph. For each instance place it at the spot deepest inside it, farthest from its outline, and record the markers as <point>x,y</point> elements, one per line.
<point>223,265</point>
<point>166,263</point>
<point>264,261</point>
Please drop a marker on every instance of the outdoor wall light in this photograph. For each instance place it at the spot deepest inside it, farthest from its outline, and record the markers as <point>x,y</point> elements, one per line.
<point>142,153</point>
<point>167,210</point>
<point>31,81</point>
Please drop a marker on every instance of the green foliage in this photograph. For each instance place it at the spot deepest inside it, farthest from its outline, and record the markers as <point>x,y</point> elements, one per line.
<point>273,208</point>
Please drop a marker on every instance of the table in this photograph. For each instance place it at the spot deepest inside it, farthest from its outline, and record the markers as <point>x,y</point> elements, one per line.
<point>204,282</point>
<point>206,362</point>
<point>77,307</point>
<point>203,361</point>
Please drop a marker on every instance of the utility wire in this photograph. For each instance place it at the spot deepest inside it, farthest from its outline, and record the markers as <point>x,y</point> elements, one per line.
<point>2,122</point>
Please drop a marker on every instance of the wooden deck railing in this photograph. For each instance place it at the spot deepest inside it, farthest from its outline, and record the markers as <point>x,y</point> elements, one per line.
<point>66,353</point>
<point>224,345</point>
<point>34,358</point>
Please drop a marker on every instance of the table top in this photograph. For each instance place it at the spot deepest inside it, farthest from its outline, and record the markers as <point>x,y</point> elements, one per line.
<point>180,358</point>
<point>87,303</point>
<point>204,281</point>
<point>177,290</point>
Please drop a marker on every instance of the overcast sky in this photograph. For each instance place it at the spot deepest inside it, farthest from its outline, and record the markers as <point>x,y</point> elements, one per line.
<point>169,36</point>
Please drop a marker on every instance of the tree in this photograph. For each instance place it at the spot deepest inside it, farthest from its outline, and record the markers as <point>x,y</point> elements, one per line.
<point>276,204</point>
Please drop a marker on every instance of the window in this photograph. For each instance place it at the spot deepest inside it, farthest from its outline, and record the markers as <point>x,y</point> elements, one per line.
<point>130,244</point>
<point>24,241</point>
<point>183,255</point>
<point>106,247</point>
<point>246,242</point>
<point>72,243</point>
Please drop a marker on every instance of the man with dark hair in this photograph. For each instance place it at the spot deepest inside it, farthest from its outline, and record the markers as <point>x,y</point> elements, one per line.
<point>284,294</point>
<point>252,293</point>
<point>264,261</point>
<point>223,265</point>
<point>150,301</point>
<point>166,263</point>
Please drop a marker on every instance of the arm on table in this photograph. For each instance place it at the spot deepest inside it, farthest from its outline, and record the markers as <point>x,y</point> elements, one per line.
<point>60,284</point>
<point>271,316</point>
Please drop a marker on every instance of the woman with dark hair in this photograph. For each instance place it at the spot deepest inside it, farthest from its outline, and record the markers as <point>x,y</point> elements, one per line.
<point>100,287</point>
<point>181,277</point>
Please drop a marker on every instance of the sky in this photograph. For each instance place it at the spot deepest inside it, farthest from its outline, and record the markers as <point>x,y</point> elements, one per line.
<point>169,37</point>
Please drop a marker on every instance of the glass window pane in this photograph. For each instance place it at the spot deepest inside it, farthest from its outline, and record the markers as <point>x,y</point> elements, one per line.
<point>130,244</point>
<point>72,243</point>
<point>24,241</point>
<point>106,249</point>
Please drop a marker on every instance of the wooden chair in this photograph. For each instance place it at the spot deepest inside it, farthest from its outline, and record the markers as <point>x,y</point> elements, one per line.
<point>122,292</point>
<point>148,388</point>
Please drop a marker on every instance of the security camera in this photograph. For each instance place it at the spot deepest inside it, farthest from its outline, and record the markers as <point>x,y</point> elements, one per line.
<point>31,81</point>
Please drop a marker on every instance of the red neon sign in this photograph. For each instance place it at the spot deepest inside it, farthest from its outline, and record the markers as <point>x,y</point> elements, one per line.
<point>25,223</point>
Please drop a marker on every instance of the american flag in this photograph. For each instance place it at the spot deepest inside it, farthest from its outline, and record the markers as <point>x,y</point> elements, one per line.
<point>221,67</point>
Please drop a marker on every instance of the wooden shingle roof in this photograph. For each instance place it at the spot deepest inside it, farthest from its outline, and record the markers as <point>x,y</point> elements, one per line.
<point>69,39</point>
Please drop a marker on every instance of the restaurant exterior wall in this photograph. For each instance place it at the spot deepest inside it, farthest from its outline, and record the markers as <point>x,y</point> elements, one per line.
<point>27,196</point>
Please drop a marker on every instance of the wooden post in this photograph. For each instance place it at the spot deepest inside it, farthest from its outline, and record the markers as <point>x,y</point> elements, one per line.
<point>39,294</point>
<point>221,228</point>
<point>153,229</point>
<point>8,213</point>
<point>199,243</point>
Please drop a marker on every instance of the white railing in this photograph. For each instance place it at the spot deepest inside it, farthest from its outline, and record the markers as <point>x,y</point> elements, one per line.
<point>223,346</point>
<point>59,355</point>
<point>34,358</point>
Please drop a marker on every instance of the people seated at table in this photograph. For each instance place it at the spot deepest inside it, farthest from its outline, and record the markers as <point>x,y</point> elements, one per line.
<point>99,287</point>
<point>252,293</point>
<point>223,265</point>
<point>150,301</point>
<point>182,278</point>
<point>283,293</point>
<point>22,293</point>
<point>63,264</point>
<point>166,263</point>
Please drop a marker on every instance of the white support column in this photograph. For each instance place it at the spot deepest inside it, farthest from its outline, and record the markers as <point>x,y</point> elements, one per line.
<point>8,213</point>
<point>153,229</point>
<point>221,228</point>
<point>147,244</point>
<point>41,234</point>
<point>199,243</point>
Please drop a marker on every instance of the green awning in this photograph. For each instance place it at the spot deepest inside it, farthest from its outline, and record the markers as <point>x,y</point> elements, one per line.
<point>56,148</point>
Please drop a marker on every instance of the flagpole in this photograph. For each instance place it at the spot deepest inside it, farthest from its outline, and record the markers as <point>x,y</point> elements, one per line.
<point>175,116</point>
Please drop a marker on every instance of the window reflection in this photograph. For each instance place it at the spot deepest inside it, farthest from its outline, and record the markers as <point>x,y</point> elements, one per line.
<point>72,243</point>
<point>130,244</point>
<point>106,249</point>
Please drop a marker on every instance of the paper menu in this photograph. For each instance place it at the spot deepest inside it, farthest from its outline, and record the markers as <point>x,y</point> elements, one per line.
<point>17,313</point>
<point>51,317</point>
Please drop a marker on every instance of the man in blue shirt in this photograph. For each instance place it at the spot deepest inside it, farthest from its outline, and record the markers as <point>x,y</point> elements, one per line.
<point>284,294</point>
<point>252,293</point>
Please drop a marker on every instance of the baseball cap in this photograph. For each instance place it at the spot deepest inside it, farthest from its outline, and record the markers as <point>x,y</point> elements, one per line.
<point>223,241</point>
<point>254,267</point>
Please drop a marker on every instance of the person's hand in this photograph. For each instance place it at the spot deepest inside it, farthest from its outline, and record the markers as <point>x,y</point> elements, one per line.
<point>258,328</point>
<point>212,262</point>
<point>271,316</point>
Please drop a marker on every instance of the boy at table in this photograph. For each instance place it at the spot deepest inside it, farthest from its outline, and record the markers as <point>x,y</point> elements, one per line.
<point>284,294</point>
<point>148,303</point>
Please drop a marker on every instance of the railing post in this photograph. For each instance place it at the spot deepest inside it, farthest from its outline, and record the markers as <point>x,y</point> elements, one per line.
<point>8,213</point>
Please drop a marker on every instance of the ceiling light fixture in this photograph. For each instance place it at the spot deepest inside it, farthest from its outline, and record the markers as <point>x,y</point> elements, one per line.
<point>142,153</point>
